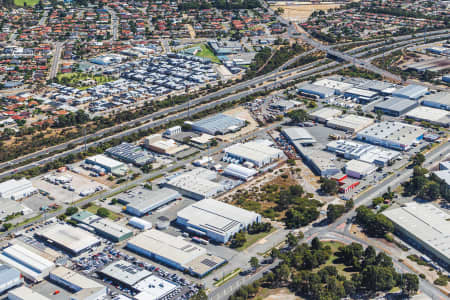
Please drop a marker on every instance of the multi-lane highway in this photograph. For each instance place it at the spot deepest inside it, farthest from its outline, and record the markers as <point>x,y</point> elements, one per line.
<point>274,75</point>
<point>178,112</point>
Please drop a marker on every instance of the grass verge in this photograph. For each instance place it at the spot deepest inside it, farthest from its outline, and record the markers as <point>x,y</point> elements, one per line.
<point>92,208</point>
<point>28,2</point>
<point>227,277</point>
<point>206,52</point>
<point>253,238</point>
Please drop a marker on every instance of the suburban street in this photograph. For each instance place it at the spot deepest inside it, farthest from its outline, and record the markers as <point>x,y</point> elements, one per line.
<point>277,76</point>
<point>55,60</point>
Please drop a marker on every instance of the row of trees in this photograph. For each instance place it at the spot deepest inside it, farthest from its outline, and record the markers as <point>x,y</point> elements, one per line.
<point>426,186</point>
<point>328,186</point>
<point>240,238</point>
<point>262,64</point>
<point>334,211</point>
<point>374,224</point>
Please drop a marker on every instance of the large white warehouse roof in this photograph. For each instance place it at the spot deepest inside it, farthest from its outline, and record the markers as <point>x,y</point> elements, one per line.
<point>165,245</point>
<point>239,171</point>
<point>25,293</point>
<point>28,263</point>
<point>427,223</point>
<point>70,238</point>
<point>255,152</point>
<point>217,216</point>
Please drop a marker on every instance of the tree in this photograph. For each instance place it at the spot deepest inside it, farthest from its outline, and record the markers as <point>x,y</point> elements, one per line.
<point>376,278</point>
<point>201,295</point>
<point>349,205</point>
<point>351,253</point>
<point>316,244</point>
<point>298,116</point>
<point>410,284</point>
<point>292,240</point>
<point>334,212</point>
<point>7,226</point>
<point>349,287</point>
<point>71,210</point>
<point>254,262</point>
<point>329,186</point>
<point>418,159</point>
<point>239,240</point>
<point>102,212</point>
<point>433,191</point>
<point>374,224</point>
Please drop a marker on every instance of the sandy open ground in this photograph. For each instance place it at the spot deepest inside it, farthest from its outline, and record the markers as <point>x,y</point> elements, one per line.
<point>301,11</point>
<point>243,114</point>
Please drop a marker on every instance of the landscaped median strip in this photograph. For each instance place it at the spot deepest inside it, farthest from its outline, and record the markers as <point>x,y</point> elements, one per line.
<point>227,277</point>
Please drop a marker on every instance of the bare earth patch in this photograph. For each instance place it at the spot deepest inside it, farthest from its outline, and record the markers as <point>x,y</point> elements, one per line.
<point>301,11</point>
<point>278,294</point>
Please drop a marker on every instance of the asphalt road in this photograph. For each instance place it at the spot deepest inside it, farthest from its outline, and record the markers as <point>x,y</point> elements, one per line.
<point>148,176</point>
<point>177,112</point>
<point>274,75</point>
<point>332,232</point>
<point>55,61</point>
<point>114,24</point>
<point>351,59</point>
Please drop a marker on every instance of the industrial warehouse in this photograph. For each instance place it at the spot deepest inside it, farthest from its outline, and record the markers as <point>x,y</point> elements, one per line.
<point>429,114</point>
<point>309,89</point>
<point>393,135</point>
<point>425,227</point>
<point>139,280</point>
<point>81,286</point>
<point>31,265</point>
<point>175,252</point>
<point>130,153</point>
<point>139,223</point>
<point>320,162</point>
<point>215,219</point>
<point>359,169</point>
<point>298,136</point>
<point>108,164</point>
<point>395,106</point>
<point>103,227</point>
<point>196,184</point>
<point>412,92</point>
<point>325,114</point>
<point>259,153</point>
<point>140,200</point>
<point>218,124</point>
<point>9,277</point>
<point>364,152</point>
<point>70,239</point>
<point>16,189</point>
<point>350,123</point>
<point>159,144</point>
<point>438,100</point>
<point>240,172</point>
<point>24,293</point>
<point>124,273</point>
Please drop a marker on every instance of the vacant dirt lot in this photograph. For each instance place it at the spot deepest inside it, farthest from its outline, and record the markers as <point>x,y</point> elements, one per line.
<point>243,114</point>
<point>279,294</point>
<point>300,12</point>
